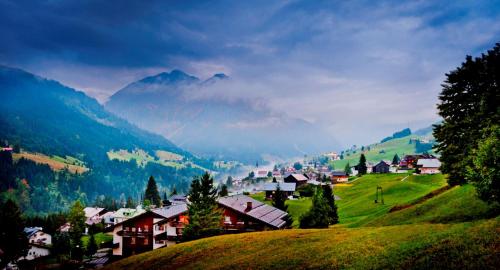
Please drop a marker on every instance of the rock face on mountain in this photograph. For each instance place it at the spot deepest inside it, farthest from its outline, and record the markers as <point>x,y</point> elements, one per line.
<point>194,115</point>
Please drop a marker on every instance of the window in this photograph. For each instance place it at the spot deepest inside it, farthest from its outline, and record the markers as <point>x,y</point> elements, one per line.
<point>227,219</point>
<point>133,229</point>
<point>146,228</point>
<point>146,241</point>
<point>159,242</point>
<point>132,241</point>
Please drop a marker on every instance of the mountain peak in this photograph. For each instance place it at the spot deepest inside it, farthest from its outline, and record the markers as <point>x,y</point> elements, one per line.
<point>175,76</point>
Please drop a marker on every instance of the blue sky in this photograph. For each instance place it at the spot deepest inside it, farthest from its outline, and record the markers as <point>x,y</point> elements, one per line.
<point>361,68</point>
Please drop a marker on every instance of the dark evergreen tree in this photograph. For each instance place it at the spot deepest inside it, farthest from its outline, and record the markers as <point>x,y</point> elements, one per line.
<point>362,165</point>
<point>347,169</point>
<point>279,201</point>
<point>13,241</point>
<point>152,193</point>
<point>318,215</point>
<point>469,106</point>
<point>204,215</point>
<point>91,245</point>
<point>274,180</point>
<point>251,174</point>
<point>174,191</point>
<point>229,182</point>
<point>297,166</point>
<point>332,214</point>
<point>395,159</point>
<point>223,191</point>
<point>130,202</point>
<point>61,244</point>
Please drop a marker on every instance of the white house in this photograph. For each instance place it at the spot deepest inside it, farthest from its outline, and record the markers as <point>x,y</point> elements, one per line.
<point>39,242</point>
<point>429,165</point>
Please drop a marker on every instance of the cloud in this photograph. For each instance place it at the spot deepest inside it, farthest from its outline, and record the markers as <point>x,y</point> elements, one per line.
<point>362,69</point>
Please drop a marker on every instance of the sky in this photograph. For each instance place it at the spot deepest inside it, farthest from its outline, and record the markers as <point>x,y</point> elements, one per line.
<point>361,69</point>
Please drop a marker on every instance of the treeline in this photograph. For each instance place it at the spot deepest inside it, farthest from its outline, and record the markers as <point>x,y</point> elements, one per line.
<point>469,136</point>
<point>39,190</point>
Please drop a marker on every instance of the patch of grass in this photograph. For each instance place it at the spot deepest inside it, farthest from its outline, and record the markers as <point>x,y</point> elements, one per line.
<point>430,246</point>
<point>458,204</point>
<point>100,238</point>
<point>56,163</point>
<point>357,206</point>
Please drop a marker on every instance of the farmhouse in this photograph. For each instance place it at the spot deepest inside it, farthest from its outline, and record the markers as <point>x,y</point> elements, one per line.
<point>270,189</point>
<point>381,167</point>
<point>244,214</point>
<point>296,178</point>
<point>339,177</point>
<point>39,243</point>
<point>409,161</point>
<point>428,166</point>
<point>149,230</point>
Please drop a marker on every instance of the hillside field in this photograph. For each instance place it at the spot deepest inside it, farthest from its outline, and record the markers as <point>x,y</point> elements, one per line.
<point>380,151</point>
<point>448,229</point>
<point>56,163</point>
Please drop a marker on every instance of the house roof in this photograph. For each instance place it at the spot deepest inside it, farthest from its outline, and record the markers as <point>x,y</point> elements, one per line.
<point>283,186</point>
<point>121,213</point>
<point>382,162</point>
<point>339,173</point>
<point>298,177</point>
<point>92,211</point>
<point>30,231</point>
<point>267,214</point>
<point>171,210</point>
<point>429,163</point>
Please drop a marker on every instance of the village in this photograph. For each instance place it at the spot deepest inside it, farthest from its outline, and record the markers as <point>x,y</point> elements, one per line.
<point>144,228</point>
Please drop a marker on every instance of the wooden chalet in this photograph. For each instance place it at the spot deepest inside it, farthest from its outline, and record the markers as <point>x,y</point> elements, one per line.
<point>270,189</point>
<point>298,179</point>
<point>244,214</point>
<point>149,230</point>
<point>339,177</point>
<point>381,167</point>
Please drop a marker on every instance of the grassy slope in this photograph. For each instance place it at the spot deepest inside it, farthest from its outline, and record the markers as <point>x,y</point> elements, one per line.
<point>357,206</point>
<point>397,146</point>
<point>99,239</point>
<point>362,241</point>
<point>407,246</point>
<point>56,163</point>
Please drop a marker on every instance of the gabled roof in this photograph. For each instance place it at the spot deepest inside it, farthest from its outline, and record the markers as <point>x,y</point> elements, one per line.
<point>267,214</point>
<point>178,198</point>
<point>171,210</point>
<point>30,231</point>
<point>339,173</point>
<point>429,163</point>
<point>298,177</point>
<point>122,212</point>
<point>283,186</point>
<point>92,211</point>
<point>383,162</point>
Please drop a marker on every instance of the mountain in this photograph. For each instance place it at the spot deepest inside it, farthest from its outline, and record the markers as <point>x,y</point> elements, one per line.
<point>45,117</point>
<point>195,115</point>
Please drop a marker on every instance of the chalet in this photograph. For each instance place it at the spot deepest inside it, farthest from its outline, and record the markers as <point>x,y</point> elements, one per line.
<point>149,230</point>
<point>428,166</point>
<point>38,243</point>
<point>339,177</point>
<point>277,174</point>
<point>409,161</point>
<point>298,179</point>
<point>381,167</point>
<point>244,214</point>
<point>64,228</point>
<point>93,215</point>
<point>270,189</point>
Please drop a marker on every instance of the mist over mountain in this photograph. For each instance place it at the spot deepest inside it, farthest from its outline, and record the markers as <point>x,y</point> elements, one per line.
<point>195,115</point>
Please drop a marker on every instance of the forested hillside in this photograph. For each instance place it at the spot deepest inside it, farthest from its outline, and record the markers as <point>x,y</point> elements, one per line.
<point>43,116</point>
